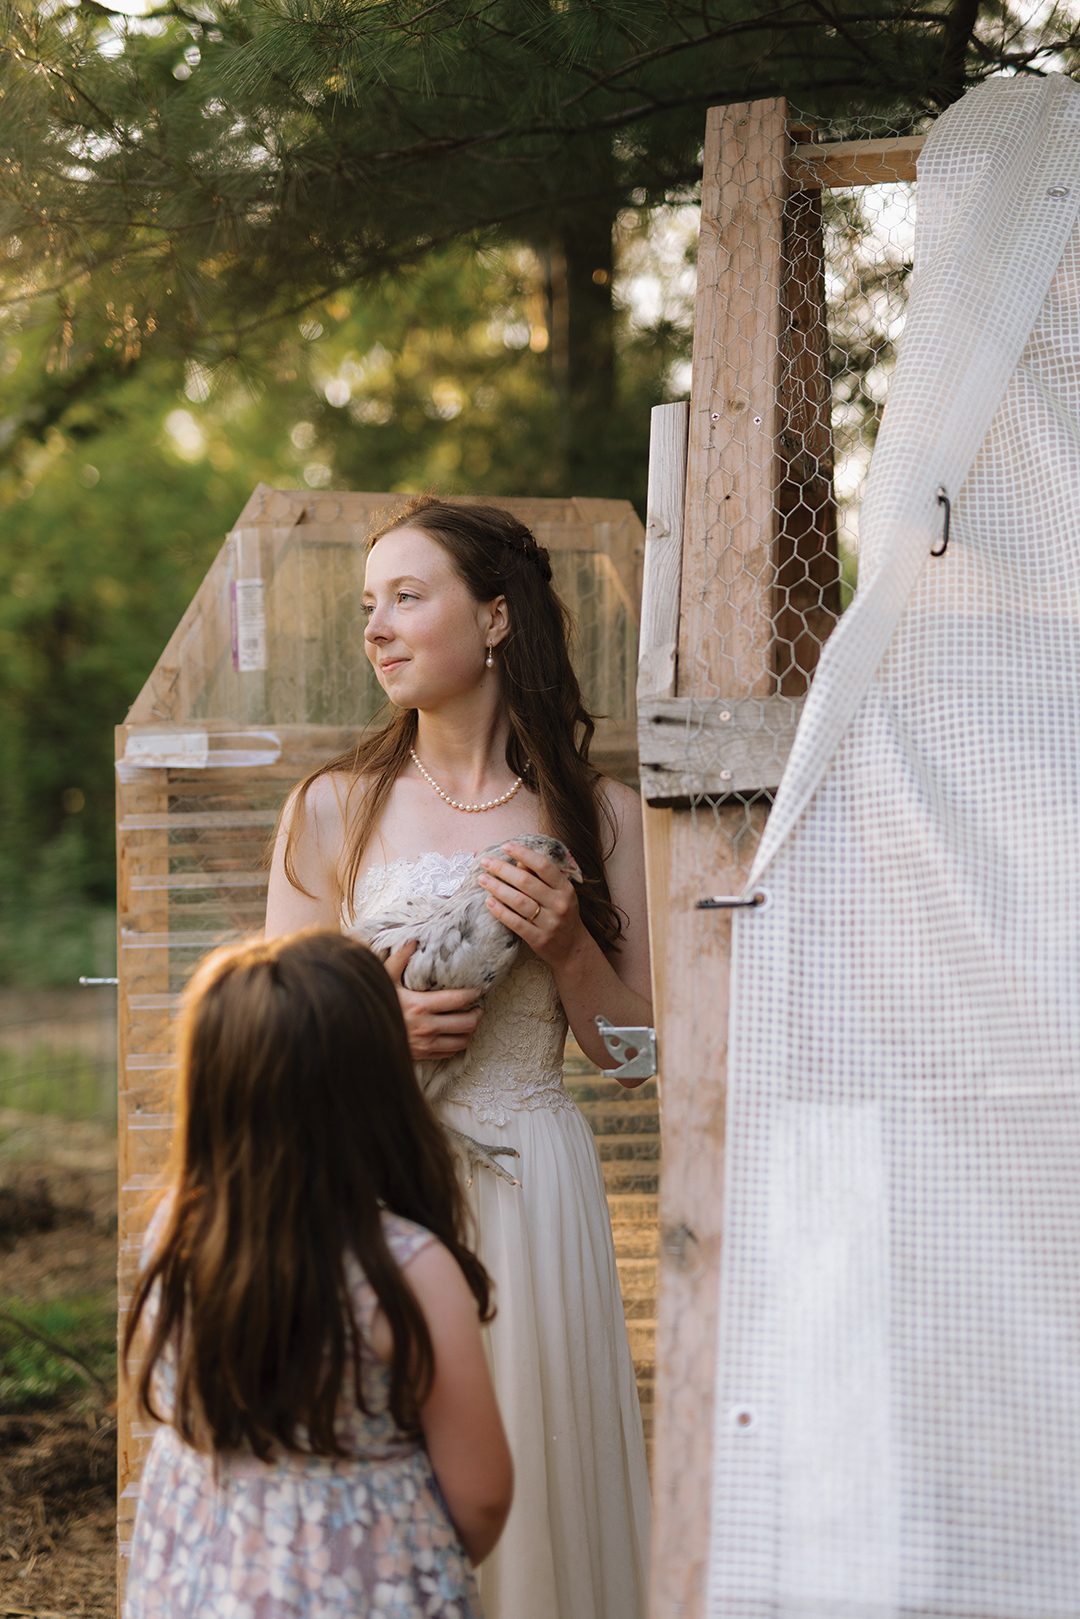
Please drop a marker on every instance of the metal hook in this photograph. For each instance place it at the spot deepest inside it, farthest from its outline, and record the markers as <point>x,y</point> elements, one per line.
<point>733,902</point>
<point>943,500</point>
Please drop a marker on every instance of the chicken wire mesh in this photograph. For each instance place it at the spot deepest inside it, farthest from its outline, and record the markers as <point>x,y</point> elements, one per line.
<point>896,1364</point>
<point>799,317</point>
<point>264,679</point>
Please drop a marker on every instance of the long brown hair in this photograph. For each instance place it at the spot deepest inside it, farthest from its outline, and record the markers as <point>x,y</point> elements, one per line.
<point>550,729</point>
<point>299,1119</point>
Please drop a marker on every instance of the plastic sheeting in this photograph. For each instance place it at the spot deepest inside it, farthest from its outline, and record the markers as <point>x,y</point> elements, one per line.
<point>899,1358</point>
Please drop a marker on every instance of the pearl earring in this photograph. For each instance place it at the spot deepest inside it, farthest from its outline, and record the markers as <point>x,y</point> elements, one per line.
<point>489,661</point>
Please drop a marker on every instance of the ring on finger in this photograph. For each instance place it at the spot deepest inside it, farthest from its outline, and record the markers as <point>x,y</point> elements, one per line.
<point>535,914</point>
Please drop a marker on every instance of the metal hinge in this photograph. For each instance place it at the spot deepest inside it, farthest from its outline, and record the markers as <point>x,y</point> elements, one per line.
<point>642,1042</point>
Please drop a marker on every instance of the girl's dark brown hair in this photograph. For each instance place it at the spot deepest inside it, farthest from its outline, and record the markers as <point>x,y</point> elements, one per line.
<point>550,732</point>
<point>299,1119</point>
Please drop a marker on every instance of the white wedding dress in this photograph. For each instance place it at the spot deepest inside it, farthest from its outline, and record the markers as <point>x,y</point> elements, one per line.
<point>576,1544</point>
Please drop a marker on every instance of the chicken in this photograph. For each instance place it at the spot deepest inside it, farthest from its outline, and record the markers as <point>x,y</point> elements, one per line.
<point>459,944</point>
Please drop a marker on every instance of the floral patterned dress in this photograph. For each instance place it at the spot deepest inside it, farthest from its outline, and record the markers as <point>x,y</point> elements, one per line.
<point>317,1537</point>
<point>576,1543</point>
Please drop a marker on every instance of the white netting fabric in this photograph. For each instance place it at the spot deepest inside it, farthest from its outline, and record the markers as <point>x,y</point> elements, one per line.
<point>898,1395</point>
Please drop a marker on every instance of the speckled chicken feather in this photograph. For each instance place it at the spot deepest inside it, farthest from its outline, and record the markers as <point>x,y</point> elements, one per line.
<point>459,942</point>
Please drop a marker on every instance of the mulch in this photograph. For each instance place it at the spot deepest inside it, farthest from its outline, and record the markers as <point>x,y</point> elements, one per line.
<point>57,1466</point>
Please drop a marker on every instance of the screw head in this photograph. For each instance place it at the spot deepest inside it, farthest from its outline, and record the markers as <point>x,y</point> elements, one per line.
<point>725,775</point>
<point>725,715</point>
<point>715,416</point>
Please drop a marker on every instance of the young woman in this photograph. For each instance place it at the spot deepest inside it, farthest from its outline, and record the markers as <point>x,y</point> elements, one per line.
<point>311,1315</point>
<point>489,740</point>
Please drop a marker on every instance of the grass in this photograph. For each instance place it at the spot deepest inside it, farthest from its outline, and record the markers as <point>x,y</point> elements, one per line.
<point>48,941</point>
<point>53,1079</point>
<point>32,1377</point>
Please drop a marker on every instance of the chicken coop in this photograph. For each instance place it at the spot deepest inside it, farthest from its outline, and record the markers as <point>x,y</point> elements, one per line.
<point>265,678</point>
<point>863,861</point>
<point>863,891</point>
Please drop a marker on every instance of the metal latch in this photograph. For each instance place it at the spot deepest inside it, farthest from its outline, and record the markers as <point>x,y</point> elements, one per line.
<point>619,1041</point>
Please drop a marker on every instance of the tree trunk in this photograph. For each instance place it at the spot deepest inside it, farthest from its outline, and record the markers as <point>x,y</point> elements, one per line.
<point>582,343</point>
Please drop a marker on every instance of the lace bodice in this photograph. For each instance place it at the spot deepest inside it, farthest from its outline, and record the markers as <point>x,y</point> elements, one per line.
<point>514,1060</point>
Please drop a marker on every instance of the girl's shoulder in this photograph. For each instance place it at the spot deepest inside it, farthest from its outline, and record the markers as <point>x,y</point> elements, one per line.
<point>155,1230</point>
<point>404,1238</point>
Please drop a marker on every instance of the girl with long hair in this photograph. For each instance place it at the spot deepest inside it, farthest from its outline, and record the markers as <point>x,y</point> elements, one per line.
<point>310,1314</point>
<point>489,740</point>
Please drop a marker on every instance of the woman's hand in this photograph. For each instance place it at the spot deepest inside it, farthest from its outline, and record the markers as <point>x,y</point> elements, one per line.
<point>536,901</point>
<point>439,1022</point>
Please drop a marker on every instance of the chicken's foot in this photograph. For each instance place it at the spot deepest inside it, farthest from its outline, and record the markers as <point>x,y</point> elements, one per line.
<point>476,1152</point>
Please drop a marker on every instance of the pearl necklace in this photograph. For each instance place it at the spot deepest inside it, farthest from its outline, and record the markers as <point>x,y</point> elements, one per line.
<point>470,809</point>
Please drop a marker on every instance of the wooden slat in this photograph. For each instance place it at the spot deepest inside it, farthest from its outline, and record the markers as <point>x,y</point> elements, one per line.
<point>658,644</point>
<point>725,636</point>
<point>305,747</point>
<point>689,747</point>
<point>143,974</point>
<point>855,163</point>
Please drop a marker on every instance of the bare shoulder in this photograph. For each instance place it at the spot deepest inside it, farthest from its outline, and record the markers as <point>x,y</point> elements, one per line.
<point>303,890</point>
<point>625,806</point>
<point>439,1284</point>
<point>318,815</point>
<point>328,799</point>
<point>623,799</point>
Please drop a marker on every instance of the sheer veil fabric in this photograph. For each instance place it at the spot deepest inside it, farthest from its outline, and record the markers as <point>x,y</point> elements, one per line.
<point>898,1395</point>
<point>576,1544</point>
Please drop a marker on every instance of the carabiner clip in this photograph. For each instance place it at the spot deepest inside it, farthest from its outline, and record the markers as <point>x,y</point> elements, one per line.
<point>943,500</point>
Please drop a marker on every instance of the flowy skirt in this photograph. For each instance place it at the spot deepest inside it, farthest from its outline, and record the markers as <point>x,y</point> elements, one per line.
<point>576,1544</point>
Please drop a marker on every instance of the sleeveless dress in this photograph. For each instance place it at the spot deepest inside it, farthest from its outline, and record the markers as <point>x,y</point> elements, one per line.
<point>576,1544</point>
<point>305,1537</point>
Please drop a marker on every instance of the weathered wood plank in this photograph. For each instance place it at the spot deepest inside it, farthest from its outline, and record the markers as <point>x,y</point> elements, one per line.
<point>689,747</point>
<point>855,163</point>
<point>725,660</point>
<point>302,748</point>
<point>142,973</point>
<point>666,502</point>
<point>705,853</point>
<point>725,641</point>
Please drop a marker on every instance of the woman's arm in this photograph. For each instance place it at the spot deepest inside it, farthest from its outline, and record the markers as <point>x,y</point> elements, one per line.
<point>316,855</point>
<point>460,1418</point>
<point>589,982</point>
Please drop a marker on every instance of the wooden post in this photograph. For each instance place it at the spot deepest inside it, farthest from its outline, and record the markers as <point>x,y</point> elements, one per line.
<point>726,633</point>
<point>658,646</point>
<point>143,1061</point>
<point>658,643</point>
<point>756,598</point>
<point>726,652</point>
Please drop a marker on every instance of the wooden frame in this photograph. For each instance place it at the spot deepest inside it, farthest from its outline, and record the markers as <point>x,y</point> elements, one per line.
<point>741,587</point>
<point>209,750</point>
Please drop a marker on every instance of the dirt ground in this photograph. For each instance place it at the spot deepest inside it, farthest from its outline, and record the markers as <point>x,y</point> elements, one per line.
<point>57,1466</point>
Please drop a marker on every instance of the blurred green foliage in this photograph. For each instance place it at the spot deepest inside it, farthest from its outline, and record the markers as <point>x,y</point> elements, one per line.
<point>67,1081</point>
<point>341,243</point>
<point>117,488</point>
<point>32,1378</point>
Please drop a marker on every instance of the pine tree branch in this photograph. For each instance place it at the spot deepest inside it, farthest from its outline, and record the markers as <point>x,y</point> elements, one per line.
<point>959,28</point>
